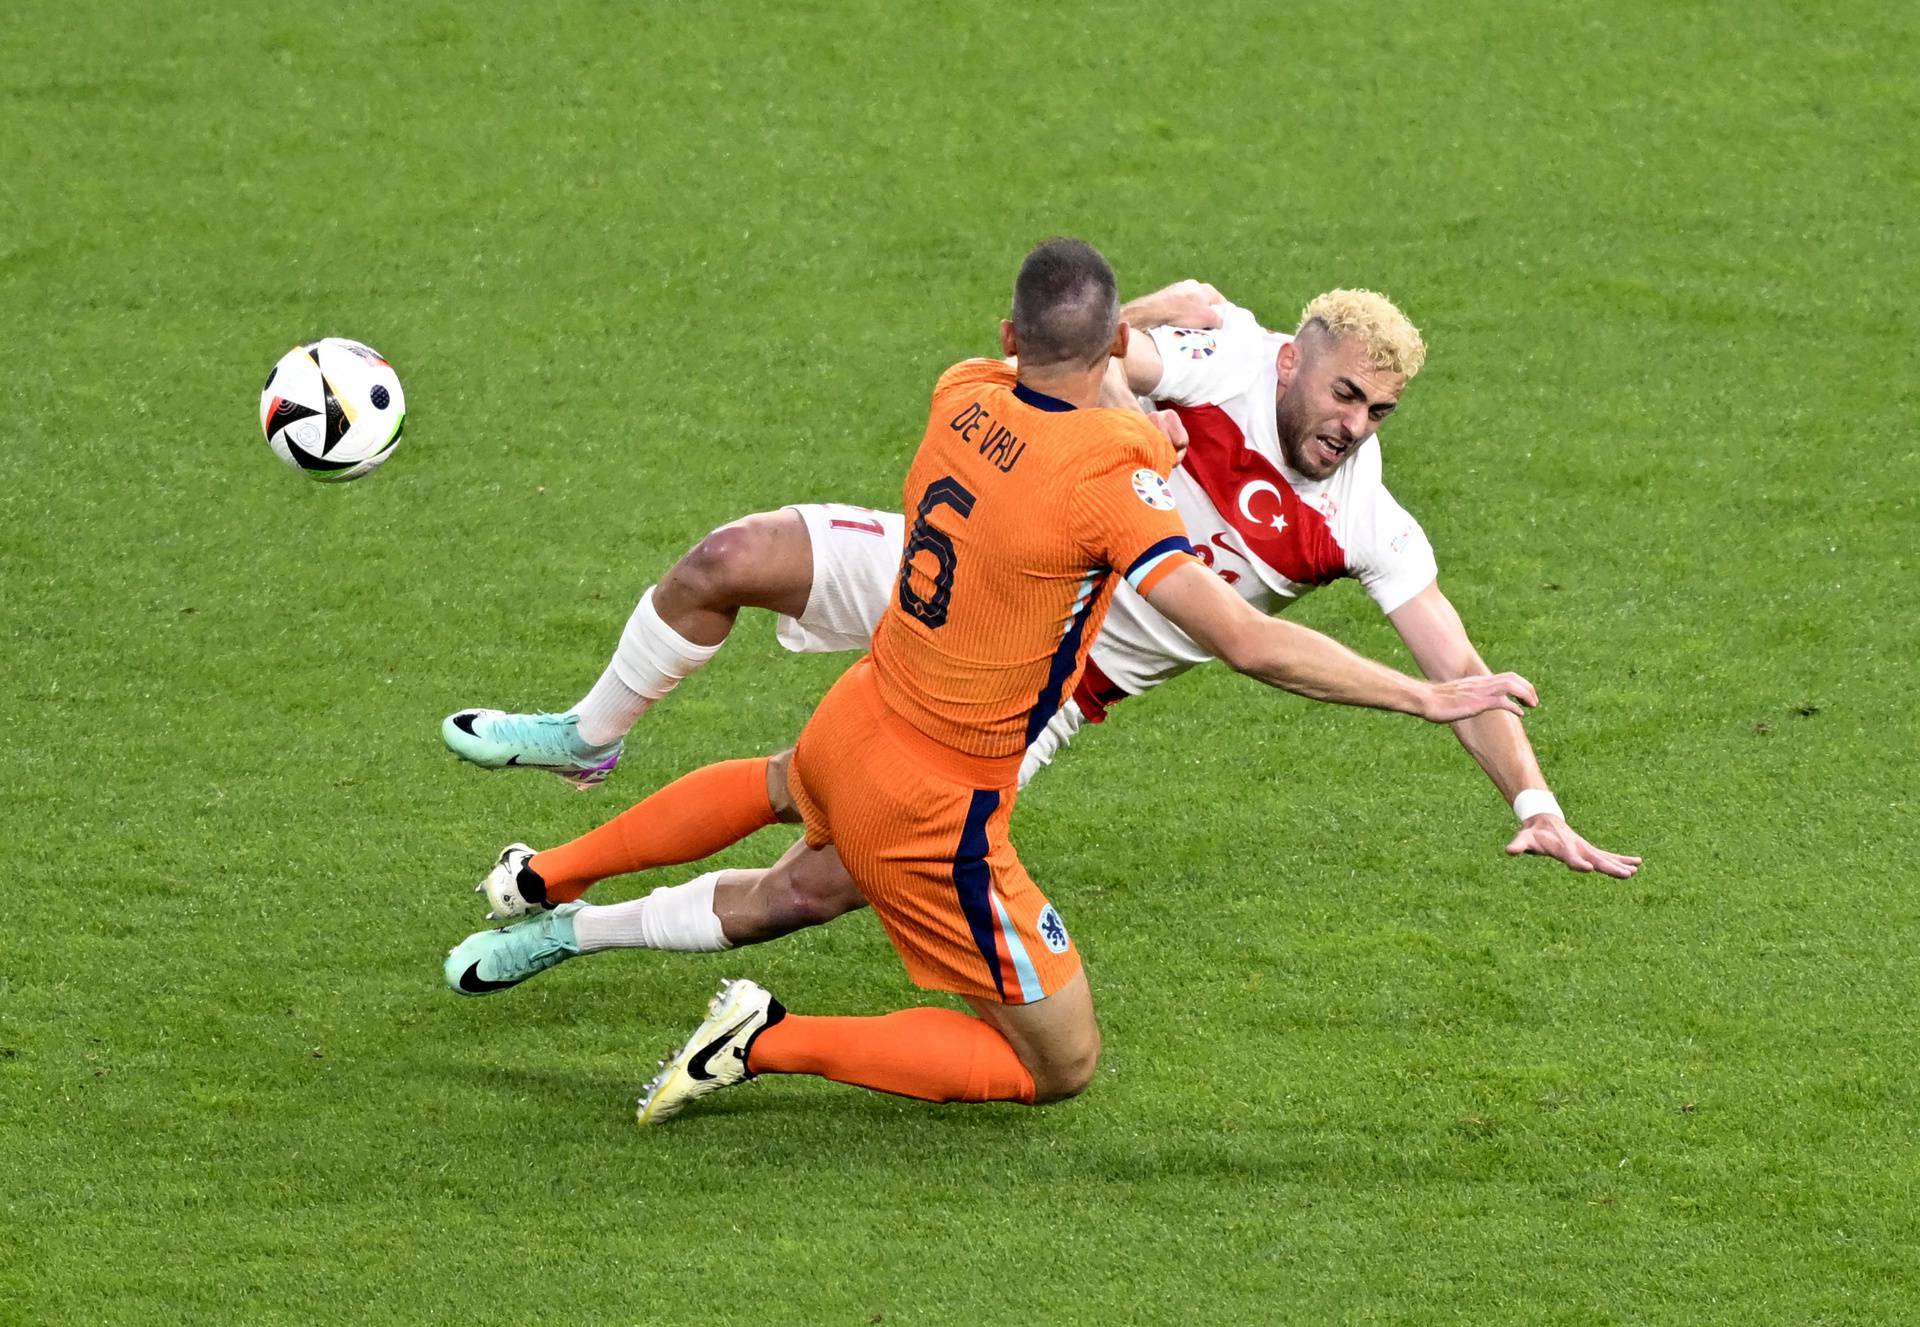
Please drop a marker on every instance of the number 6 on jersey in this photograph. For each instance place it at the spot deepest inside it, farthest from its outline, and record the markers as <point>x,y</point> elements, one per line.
<point>925,538</point>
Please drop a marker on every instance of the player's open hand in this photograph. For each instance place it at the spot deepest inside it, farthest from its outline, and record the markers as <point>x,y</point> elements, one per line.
<point>1169,423</point>
<point>1550,836</point>
<point>1449,702</point>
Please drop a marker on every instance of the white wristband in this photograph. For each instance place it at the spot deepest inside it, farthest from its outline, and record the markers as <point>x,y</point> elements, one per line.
<point>1536,802</point>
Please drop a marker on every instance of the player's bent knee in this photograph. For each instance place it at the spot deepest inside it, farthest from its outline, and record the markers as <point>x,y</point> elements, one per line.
<point>817,901</point>
<point>1061,1076</point>
<point>1064,1080</point>
<point>1057,1039</point>
<point>816,888</point>
<point>722,570</point>
<point>759,561</point>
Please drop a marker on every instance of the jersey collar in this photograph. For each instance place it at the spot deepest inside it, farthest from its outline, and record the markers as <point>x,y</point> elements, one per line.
<point>1040,400</point>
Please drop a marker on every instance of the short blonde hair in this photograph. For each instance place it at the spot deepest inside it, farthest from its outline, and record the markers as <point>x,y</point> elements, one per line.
<point>1393,342</point>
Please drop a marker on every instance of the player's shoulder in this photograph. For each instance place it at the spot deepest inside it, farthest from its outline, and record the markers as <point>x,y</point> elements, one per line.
<point>975,373</point>
<point>1216,364</point>
<point>1363,478</point>
<point>1366,509</point>
<point>1365,470</point>
<point>1119,426</point>
<point>1116,439</point>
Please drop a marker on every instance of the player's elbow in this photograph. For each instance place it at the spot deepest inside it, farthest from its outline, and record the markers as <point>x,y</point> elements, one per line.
<point>1239,647</point>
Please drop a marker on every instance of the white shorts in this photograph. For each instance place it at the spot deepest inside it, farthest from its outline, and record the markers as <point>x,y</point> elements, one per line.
<point>856,561</point>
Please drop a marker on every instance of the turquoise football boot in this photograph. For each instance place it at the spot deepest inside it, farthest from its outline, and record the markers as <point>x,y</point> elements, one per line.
<point>498,740</point>
<point>489,961</point>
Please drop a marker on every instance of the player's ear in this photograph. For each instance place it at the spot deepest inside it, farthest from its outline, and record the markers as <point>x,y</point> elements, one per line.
<point>1007,346</point>
<point>1289,363</point>
<point>1118,349</point>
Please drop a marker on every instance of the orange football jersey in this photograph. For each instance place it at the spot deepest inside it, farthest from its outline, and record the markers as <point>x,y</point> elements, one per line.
<point>1021,509</point>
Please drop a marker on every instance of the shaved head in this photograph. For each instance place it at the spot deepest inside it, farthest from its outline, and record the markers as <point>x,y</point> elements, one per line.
<point>1066,306</point>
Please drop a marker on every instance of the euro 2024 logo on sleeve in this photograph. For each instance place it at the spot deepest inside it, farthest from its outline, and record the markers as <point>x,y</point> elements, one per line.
<point>1053,931</point>
<point>1152,489</point>
<point>1194,342</point>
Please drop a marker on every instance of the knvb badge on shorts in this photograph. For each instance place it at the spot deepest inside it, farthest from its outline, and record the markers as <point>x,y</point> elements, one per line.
<point>1152,490</point>
<point>1053,931</point>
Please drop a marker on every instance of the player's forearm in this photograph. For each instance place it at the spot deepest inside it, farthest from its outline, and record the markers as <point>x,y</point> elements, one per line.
<point>1440,646</point>
<point>1182,304</point>
<point>1498,744</point>
<point>1147,311</point>
<point>1301,660</point>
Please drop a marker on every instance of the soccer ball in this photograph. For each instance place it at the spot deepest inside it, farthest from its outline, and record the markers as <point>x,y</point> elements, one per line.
<point>333,408</point>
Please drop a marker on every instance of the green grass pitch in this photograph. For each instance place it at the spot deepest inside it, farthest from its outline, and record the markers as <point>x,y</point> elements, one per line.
<point>645,267</point>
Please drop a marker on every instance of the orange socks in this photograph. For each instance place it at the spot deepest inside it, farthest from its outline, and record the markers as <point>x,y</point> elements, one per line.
<point>932,1054</point>
<point>693,817</point>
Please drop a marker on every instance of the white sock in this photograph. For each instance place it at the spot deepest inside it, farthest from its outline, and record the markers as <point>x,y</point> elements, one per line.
<point>679,917</point>
<point>651,660</point>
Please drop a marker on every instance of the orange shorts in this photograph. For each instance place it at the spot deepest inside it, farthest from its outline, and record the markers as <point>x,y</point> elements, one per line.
<point>922,828</point>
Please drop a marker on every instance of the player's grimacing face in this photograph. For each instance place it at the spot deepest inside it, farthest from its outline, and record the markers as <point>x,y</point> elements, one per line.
<point>1330,401</point>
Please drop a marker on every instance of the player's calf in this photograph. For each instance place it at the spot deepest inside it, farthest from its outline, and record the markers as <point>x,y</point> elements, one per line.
<point>1033,1053</point>
<point>931,1054</point>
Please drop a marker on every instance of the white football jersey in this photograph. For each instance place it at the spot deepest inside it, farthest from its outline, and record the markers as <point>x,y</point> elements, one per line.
<point>1268,531</point>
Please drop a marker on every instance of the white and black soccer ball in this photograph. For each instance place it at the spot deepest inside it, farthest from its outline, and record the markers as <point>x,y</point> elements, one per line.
<point>333,409</point>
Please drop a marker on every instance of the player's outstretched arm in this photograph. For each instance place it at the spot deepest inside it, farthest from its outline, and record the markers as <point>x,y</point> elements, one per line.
<point>1301,660</point>
<point>1438,641</point>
